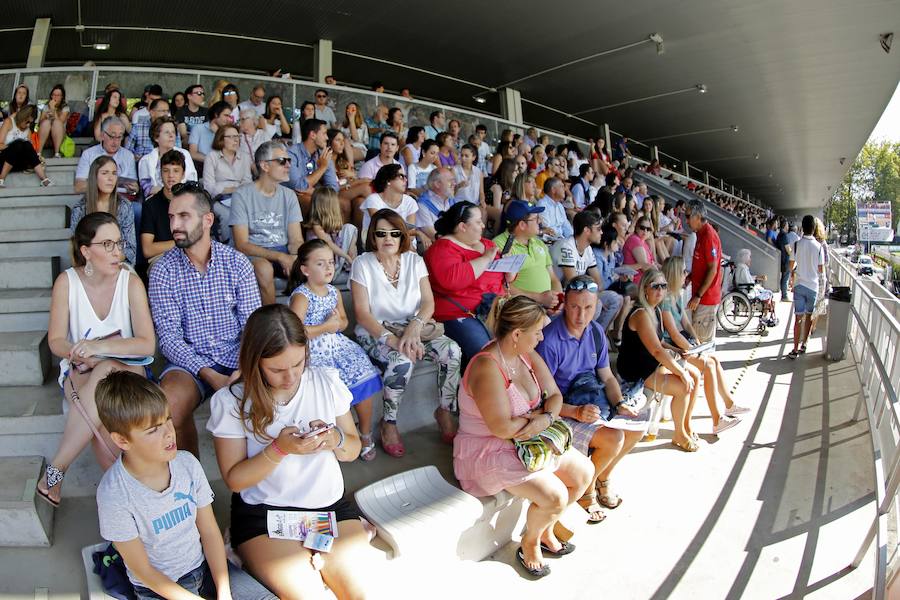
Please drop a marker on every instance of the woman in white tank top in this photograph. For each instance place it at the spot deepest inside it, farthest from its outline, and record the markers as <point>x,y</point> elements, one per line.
<point>98,309</point>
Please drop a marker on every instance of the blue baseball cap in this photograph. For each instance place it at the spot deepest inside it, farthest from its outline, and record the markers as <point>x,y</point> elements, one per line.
<point>518,210</point>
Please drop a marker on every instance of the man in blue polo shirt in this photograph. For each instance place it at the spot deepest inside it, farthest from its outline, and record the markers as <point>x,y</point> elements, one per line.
<point>574,344</point>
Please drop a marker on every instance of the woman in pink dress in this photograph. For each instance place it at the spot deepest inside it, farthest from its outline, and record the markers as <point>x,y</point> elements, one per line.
<point>509,394</point>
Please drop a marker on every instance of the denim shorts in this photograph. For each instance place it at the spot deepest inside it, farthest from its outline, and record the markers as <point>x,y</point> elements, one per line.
<point>200,582</point>
<point>204,388</point>
<point>804,300</point>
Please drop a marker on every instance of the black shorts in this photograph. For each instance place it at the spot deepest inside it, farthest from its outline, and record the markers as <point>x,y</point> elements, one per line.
<point>249,520</point>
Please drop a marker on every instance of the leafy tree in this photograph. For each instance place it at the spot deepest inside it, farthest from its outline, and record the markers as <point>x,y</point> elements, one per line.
<point>874,175</point>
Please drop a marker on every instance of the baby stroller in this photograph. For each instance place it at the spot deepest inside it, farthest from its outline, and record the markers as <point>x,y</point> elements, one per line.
<point>743,303</point>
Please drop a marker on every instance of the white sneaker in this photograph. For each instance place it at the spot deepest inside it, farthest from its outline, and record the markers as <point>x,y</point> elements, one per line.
<point>725,423</point>
<point>736,410</point>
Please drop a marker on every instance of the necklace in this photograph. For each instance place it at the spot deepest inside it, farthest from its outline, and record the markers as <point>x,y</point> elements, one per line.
<point>511,370</point>
<point>394,278</point>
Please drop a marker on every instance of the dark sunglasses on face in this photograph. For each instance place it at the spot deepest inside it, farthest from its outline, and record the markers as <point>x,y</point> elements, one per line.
<point>580,285</point>
<point>383,233</point>
<point>645,228</point>
<point>659,286</point>
<point>284,160</point>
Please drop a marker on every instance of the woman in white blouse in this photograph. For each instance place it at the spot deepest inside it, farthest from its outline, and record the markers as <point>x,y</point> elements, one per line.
<point>259,426</point>
<point>417,173</point>
<point>390,284</point>
<point>355,131</point>
<point>469,178</point>
<point>162,134</point>
<point>225,168</point>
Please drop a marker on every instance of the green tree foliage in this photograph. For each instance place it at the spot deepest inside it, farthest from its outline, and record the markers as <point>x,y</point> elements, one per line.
<point>874,175</point>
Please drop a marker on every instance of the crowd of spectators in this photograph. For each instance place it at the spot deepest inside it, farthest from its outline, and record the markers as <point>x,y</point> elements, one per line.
<point>412,222</point>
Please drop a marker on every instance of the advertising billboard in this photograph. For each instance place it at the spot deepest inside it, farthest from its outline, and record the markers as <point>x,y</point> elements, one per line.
<point>874,222</point>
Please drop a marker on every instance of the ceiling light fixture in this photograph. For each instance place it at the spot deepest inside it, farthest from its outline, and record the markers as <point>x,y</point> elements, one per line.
<point>699,87</point>
<point>480,99</point>
<point>80,29</point>
<point>735,128</point>
<point>101,46</point>
<point>657,39</point>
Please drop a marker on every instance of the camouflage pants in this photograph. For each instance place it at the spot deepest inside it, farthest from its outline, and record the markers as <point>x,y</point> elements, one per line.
<point>397,370</point>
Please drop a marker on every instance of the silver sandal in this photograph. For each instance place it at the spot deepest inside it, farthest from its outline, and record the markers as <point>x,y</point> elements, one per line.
<point>54,478</point>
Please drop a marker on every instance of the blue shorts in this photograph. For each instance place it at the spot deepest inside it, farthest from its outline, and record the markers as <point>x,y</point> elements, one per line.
<point>804,300</point>
<point>204,388</point>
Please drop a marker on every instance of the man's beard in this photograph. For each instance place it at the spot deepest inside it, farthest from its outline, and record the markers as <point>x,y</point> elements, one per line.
<point>191,237</point>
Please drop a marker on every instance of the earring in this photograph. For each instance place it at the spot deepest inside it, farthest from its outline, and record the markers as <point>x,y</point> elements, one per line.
<point>89,269</point>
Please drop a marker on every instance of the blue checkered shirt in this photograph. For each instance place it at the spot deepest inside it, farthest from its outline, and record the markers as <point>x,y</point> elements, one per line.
<point>199,317</point>
<point>138,140</point>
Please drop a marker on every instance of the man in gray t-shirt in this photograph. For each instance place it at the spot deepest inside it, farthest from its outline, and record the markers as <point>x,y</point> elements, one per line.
<point>164,521</point>
<point>265,219</point>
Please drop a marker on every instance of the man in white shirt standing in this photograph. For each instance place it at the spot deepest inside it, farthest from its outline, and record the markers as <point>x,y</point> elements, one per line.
<point>807,266</point>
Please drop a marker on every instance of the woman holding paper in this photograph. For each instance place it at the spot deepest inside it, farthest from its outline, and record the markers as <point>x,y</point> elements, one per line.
<point>464,288</point>
<point>280,431</point>
<point>98,310</point>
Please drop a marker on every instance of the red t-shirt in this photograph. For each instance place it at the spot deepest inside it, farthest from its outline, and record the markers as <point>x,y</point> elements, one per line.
<point>452,276</point>
<point>708,250</point>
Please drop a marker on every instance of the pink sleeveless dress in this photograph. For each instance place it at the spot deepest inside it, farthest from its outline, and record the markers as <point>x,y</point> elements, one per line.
<point>483,463</point>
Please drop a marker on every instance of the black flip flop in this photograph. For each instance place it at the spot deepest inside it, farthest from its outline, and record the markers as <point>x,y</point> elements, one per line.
<point>567,548</point>
<point>47,498</point>
<point>536,573</point>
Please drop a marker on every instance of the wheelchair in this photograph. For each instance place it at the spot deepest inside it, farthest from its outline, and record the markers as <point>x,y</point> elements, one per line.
<point>743,304</point>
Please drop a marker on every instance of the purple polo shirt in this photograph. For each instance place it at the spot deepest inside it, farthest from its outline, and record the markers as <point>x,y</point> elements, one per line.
<point>567,356</point>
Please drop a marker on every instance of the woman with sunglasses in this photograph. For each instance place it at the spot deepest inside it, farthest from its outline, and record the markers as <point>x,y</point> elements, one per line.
<point>390,192</point>
<point>98,310</point>
<point>651,363</point>
<point>636,252</point>
<point>102,196</point>
<point>16,151</point>
<point>390,284</point>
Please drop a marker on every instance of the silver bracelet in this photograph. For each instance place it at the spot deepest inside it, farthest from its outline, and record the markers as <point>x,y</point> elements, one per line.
<point>417,318</point>
<point>341,434</point>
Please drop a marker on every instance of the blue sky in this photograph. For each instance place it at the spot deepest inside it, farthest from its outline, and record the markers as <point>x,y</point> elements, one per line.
<point>888,127</point>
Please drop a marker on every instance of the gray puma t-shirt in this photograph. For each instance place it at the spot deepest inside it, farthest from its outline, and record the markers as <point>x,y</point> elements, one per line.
<point>164,521</point>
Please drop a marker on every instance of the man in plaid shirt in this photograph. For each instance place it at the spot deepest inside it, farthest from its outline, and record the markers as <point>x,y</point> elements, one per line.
<point>201,294</point>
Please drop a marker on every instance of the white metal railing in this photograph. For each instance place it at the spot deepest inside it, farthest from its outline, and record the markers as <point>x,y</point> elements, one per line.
<point>874,339</point>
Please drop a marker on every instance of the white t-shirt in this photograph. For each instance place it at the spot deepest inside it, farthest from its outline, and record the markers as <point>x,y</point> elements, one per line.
<point>807,259</point>
<point>300,481</point>
<point>417,176</point>
<point>565,254</point>
<point>470,192</point>
<point>408,206</point>
<point>387,303</point>
<point>248,104</point>
<point>326,114</point>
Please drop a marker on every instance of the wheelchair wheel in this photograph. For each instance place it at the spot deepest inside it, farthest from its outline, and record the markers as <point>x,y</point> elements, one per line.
<point>735,312</point>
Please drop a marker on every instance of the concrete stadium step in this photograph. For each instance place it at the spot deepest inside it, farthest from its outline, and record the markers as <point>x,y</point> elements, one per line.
<point>14,218</point>
<point>50,197</point>
<point>59,174</point>
<point>28,272</point>
<point>25,519</point>
<point>54,191</point>
<point>25,309</point>
<point>24,358</point>
<point>28,243</point>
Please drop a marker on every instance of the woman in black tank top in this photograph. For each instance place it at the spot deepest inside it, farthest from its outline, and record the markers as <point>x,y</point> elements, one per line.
<point>647,360</point>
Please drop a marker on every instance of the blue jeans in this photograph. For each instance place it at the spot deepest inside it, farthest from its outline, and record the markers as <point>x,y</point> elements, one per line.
<point>785,275</point>
<point>200,582</point>
<point>609,304</point>
<point>471,335</point>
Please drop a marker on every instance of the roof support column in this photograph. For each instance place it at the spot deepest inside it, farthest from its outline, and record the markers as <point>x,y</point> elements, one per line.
<point>511,105</point>
<point>323,67</point>
<point>706,177</point>
<point>604,133</point>
<point>686,169</point>
<point>654,153</point>
<point>37,51</point>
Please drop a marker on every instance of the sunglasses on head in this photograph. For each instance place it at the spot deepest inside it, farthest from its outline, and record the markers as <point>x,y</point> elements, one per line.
<point>187,186</point>
<point>659,286</point>
<point>383,233</point>
<point>579,285</point>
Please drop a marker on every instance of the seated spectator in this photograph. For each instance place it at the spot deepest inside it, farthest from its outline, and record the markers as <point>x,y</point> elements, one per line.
<point>102,196</point>
<point>536,279</point>
<point>436,199</point>
<point>112,105</point>
<point>307,112</point>
<point>454,128</point>
<point>21,98</point>
<point>446,149</point>
<point>650,364</point>
<point>636,252</point>
<point>202,135</point>
<point>412,151</point>
<point>505,150</point>
<point>252,137</point>
<point>574,256</point>
<point>201,294</point>
<point>140,142</point>
<point>435,125</point>
<point>706,273</point>
<point>232,97</point>
<point>524,188</point>
<point>163,134</point>
<point>112,133</point>
<point>582,192</point>
<point>464,289</point>
<point>188,557</point>
<point>601,160</point>
<point>341,156</point>
<point>551,169</point>
<point>256,425</point>
<point>319,305</point>
<point>387,152</point>
<point>273,120</point>
<point>389,186</point>
<point>52,122</point>
<point>469,177</point>
<point>390,285</point>
<point>377,125</point>
<point>16,152</point>
<point>395,123</point>
<point>256,102</point>
<point>521,161</point>
<point>744,280</point>
<point>554,221</point>
<point>325,224</point>
<point>355,131</point>
<point>323,111</point>
<point>484,149</point>
<point>96,283</point>
<point>156,236</point>
<point>607,254</point>
<point>538,159</point>
<point>679,333</point>
<point>226,168</point>
<point>508,394</point>
<point>193,113</point>
<point>178,101</point>
<point>574,346</point>
<point>265,219</point>
<point>417,173</point>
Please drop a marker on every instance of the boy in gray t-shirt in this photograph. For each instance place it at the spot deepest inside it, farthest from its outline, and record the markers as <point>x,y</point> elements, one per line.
<point>155,503</point>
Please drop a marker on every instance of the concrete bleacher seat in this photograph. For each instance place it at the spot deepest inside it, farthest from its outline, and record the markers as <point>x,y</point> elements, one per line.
<point>93,583</point>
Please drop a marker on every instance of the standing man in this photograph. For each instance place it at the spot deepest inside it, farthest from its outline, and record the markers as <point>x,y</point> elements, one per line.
<point>201,294</point>
<point>193,113</point>
<point>706,273</point>
<point>807,269</point>
<point>785,248</point>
